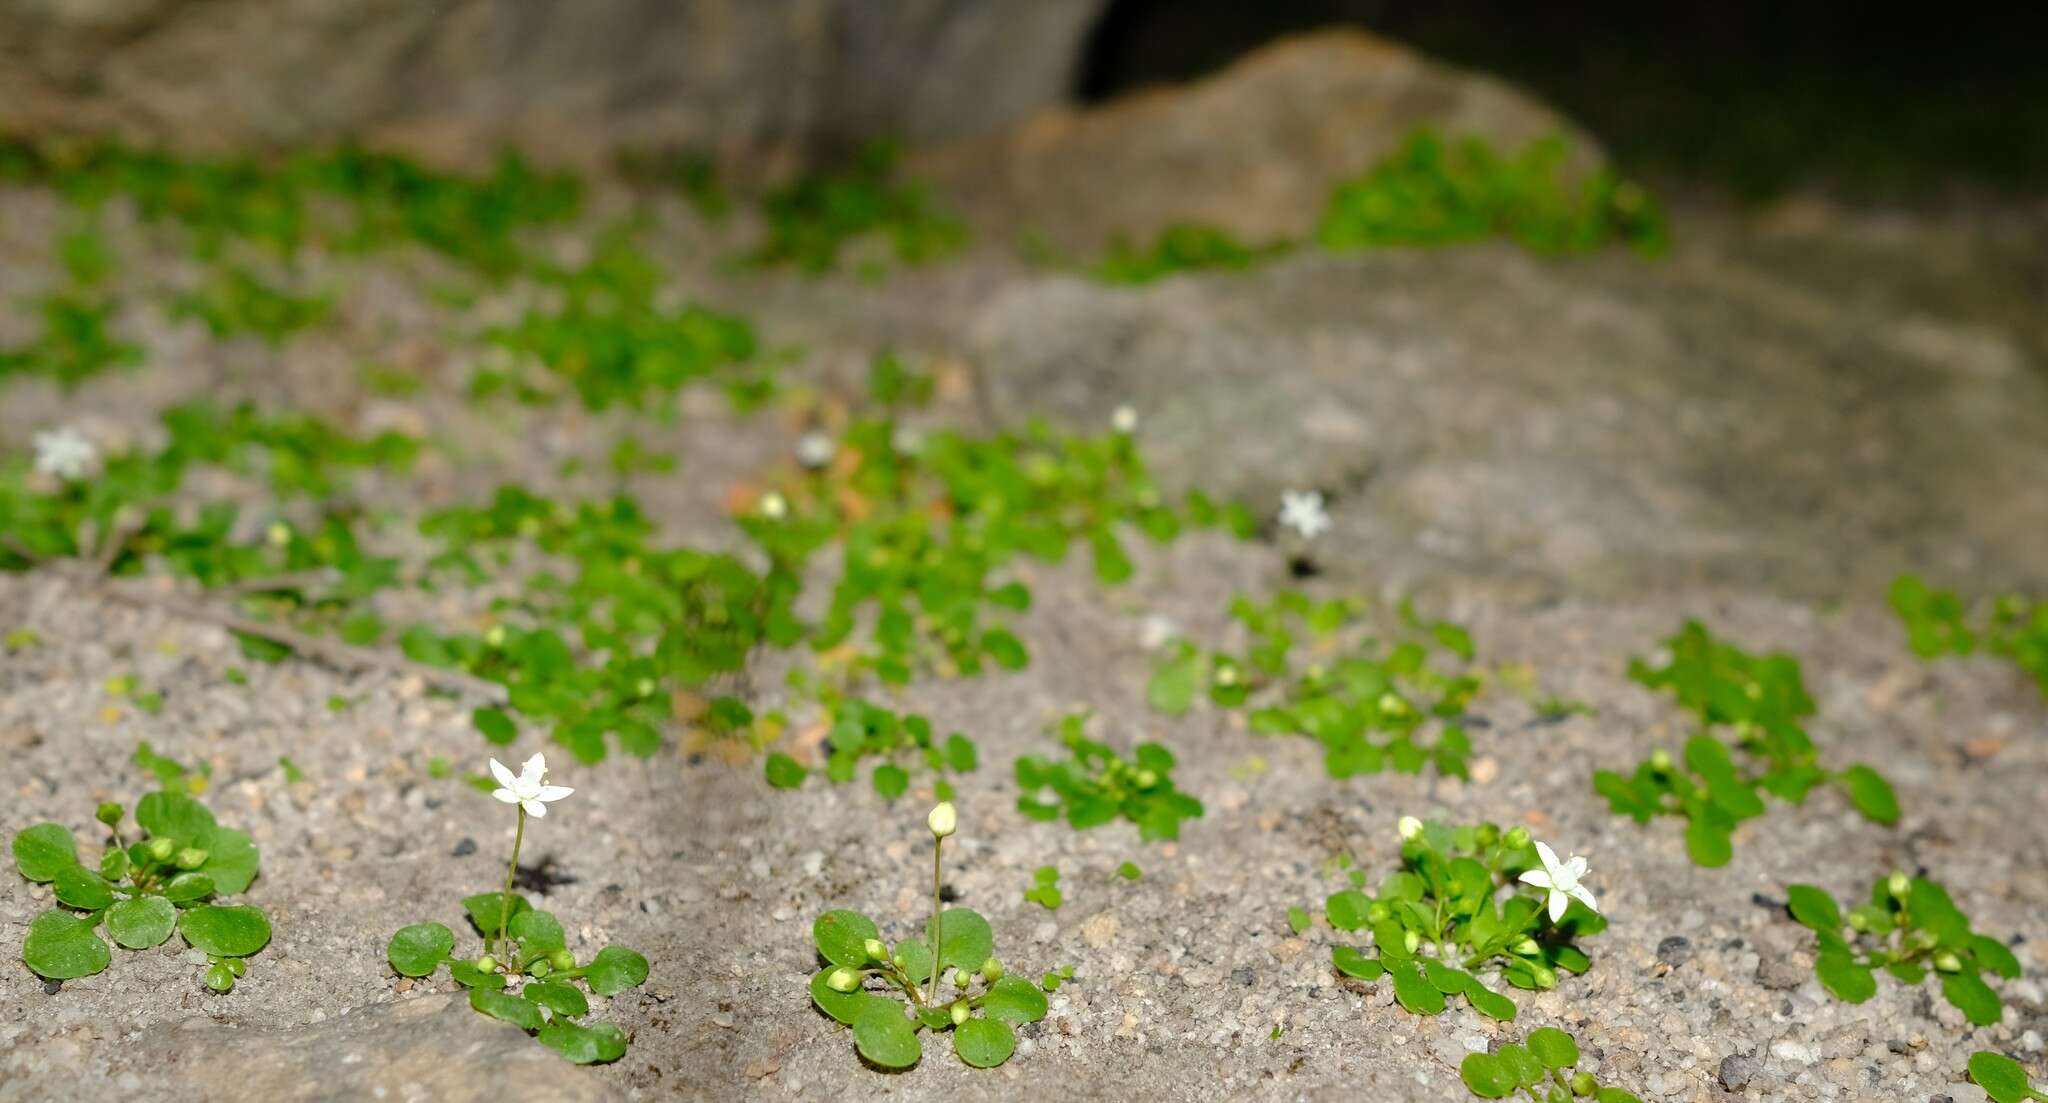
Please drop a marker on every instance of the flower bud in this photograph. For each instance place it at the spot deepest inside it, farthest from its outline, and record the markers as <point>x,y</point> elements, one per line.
<point>109,814</point>
<point>1376,912</point>
<point>958,1011</point>
<point>220,978</point>
<point>540,968</point>
<point>190,858</point>
<point>496,636</point>
<point>1584,1084</point>
<point>1518,837</point>
<point>875,950</point>
<point>1948,962</point>
<point>900,961</point>
<point>1488,834</point>
<point>961,977</point>
<point>991,970</point>
<point>1544,975</point>
<point>942,820</point>
<point>1527,947</point>
<point>279,533</point>
<point>1409,827</point>
<point>1899,885</point>
<point>843,980</point>
<point>161,849</point>
<point>1559,1094</point>
<point>1660,760</point>
<point>1147,779</point>
<point>1858,921</point>
<point>562,959</point>
<point>1924,940</point>
<point>1411,940</point>
<point>487,964</point>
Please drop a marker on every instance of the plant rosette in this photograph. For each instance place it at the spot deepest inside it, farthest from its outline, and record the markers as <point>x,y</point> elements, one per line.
<point>169,879</point>
<point>1095,785</point>
<point>1909,928</point>
<point>889,994</point>
<point>1467,900</point>
<point>526,974</point>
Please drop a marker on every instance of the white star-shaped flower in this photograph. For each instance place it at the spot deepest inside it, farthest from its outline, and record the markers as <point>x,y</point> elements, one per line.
<point>1124,419</point>
<point>1561,880</point>
<point>528,790</point>
<point>774,506</point>
<point>65,453</point>
<point>1303,512</point>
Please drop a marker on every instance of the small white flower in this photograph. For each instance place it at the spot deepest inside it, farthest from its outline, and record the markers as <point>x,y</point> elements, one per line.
<point>814,450</point>
<point>1124,419</point>
<point>527,790</point>
<point>942,820</point>
<point>1303,512</point>
<point>65,453</point>
<point>1561,879</point>
<point>774,506</point>
<point>1409,827</point>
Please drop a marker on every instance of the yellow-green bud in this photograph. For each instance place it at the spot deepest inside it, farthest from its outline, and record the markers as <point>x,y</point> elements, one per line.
<point>1899,885</point>
<point>1147,779</point>
<point>943,820</point>
<point>875,950</point>
<point>161,849</point>
<point>1527,947</point>
<point>108,813</point>
<point>1226,675</point>
<point>1947,962</point>
<point>190,858</point>
<point>1518,837</point>
<point>235,965</point>
<point>562,959</point>
<point>279,533</point>
<point>496,636</point>
<point>487,964</point>
<point>540,968</point>
<point>900,961</point>
<point>1584,1084</point>
<point>1544,975</point>
<point>1411,940</point>
<point>220,978</point>
<point>1376,913</point>
<point>958,1011</point>
<point>961,977</point>
<point>843,980</point>
<point>1925,940</point>
<point>1858,921</point>
<point>1660,760</point>
<point>1409,827</point>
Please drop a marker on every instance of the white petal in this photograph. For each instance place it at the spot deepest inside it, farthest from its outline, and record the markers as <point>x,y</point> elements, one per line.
<point>1575,867</point>
<point>504,775</point>
<point>1585,896</point>
<point>534,808</point>
<point>1536,877</point>
<point>553,792</point>
<point>1549,858</point>
<point>535,769</point>
<point>506,795</point>
<point>1558,903</point>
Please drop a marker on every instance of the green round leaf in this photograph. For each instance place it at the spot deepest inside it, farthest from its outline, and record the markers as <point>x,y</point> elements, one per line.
<point>81,888</point>
<point>43,851</point>
<point>614,970</point>
<point>1487,1076</point>
<point>584,1045</point>
<point>967,940</point>
<point>984,1043</point>
<point>1414,993</point>
<point>225,931</point>
<point>495,725</point>
<point>1553,1047</point>
<point>140,922</point>
<point>2001,1077</point>
<point>1813,907</point>
<point>891,781</point>
<point>1351,963</point>
<point>1615,1095</point>
<point>783,771</point>
<point>1844,978</point>
<point>231,861</point>
<point>1975,999</point>
<point>418,950</point>
<point>842,935</point>
<point>1524,1064</point>
<point>840,1005</point>
<point>511,1009</point>
<point>1490,1003</point>
<point>487,909</point>
<point>1014,999</point>
<point>538,930</point>
<point>176,816</point>
<point>1346,909</point>
<point>885,1035</point>
<point>1871,794</point>
<point>1447,980</point>
<point>468,975</point>
<point>562,999</point>
<point>1708,843</point>
<point>186,887</point>
<point>61,946</point>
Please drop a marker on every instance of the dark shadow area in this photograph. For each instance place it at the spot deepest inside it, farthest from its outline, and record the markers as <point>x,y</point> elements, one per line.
<point>1751,96</point>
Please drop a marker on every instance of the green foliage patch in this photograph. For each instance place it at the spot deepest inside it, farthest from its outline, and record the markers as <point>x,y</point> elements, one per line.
<point>1939,623</point>
<point>1909,928</point>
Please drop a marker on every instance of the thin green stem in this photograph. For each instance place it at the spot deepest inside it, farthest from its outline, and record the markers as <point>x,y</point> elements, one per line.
<point>938,844</point>
<point>511,869</point>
